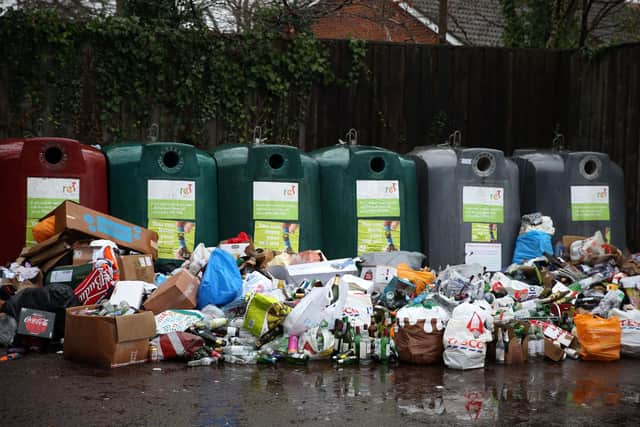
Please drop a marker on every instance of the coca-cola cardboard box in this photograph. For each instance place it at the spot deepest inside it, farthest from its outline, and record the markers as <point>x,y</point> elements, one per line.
<point>36,323</point>
<point>107,341</point>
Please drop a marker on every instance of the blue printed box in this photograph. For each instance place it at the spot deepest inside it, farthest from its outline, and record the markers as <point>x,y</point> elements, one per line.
<point>71,216</point>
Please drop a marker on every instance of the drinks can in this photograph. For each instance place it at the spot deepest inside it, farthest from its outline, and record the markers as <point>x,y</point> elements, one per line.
<point>293,344</point>
<point>153,353</point>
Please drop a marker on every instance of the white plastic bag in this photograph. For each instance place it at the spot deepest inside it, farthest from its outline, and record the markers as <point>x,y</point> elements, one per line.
<point>316,348</point>
<point>316,307</point>
<point>358,308</point>
<point>630,325</point>
<point>461,349</point>
<point>477,317</point>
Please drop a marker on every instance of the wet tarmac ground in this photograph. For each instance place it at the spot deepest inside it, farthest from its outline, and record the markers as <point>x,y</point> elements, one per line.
<point>46,390</point>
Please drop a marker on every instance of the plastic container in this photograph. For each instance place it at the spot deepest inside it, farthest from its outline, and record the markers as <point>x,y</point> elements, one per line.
<point>36,175</point>
<point>369,201</point>
<point>270,192</point>
<point>469,205</point>
<point>582,192</point>
<point>169,188</point>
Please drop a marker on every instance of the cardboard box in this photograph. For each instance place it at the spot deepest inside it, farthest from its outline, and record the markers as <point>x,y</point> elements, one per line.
<point>235,249</point>
<point>379,274</point>
<point>136,267</point>
<point>568,240</point>
<point>71,216</point>
<point>71,275</point>
<point>107,341</point>
<point>551,331</point>
<point>552,351</point>
<point>83,253</point>
<point>517,350</point>
<point>323,271</point>
<point>179,291</point>
<point>36,323</point>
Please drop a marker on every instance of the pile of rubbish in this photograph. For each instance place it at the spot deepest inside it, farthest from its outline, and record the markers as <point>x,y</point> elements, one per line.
<point>99,300</point>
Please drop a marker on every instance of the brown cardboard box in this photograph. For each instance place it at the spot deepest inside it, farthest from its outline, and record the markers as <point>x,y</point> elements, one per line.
<point>83,253</point>
<point>517,352</point>
<point>553,352</point>
<point>178,291</point>
<point>568,240</point>
<point>136,267</point>
<point>107,341</point>
<point>74,217</point>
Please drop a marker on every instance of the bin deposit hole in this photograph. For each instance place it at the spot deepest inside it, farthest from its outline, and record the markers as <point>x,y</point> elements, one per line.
<point>377,164</point>
<point>590,167</point>
<point>276,161</point>
<point>171,159</point>
<point>484,163</point>
<point>53,155</point>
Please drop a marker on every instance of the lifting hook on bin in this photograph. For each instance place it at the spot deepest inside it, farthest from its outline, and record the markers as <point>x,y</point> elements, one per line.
<point>153,132</point>
<point>558,140</point>
<point>455,139</point>
<point>257,135</point>
<point>352,138</point>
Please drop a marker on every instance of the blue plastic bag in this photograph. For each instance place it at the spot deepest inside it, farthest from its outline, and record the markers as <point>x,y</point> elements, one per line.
<point>221,282</point>
<point>531,244</point>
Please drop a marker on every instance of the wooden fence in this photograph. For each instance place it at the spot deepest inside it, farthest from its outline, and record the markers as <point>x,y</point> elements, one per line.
<point>502,98</point>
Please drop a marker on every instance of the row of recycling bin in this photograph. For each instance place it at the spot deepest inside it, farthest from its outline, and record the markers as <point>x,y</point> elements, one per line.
<point>454,204</point>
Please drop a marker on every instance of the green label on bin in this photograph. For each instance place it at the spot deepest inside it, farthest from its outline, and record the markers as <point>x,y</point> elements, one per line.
<point>275,200</point>
<point>590,203</point>
<point>483,204</point>
<point>171,199</point>
<point>176,239</point>
<point>378,235</point>
<point>277,235</point>
<point>377,198</point>
<point>486,233</point>
<point>46,194</point>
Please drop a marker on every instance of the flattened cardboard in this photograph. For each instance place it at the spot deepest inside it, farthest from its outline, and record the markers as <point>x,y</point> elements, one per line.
<point>72,216</point>
<point>105,341</point>
<point>179,291</point>
<point>136,267</point>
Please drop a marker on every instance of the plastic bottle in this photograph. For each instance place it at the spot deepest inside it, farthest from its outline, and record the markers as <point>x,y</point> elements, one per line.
<point>384,347</point>
<point>365,347</point>
<point>211,324</point>
<point>499,347</point>
<point>532,346</point>
<point>205,361</point>
<point>540,342</point>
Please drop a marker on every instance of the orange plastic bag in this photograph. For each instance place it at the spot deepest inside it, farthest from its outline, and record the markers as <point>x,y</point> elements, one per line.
<point>44,229</point>
<point>421,278</point>
<point>600,339</point>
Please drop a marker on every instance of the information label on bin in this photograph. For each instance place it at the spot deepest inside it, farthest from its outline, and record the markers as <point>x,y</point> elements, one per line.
<point>171,199</point>
<point>275,200</point>
<point>483,204</point>
<point>486,254</point>
<point>590,203</point>
<point>171,212</point>
<point>378,235</point>
<point>277,235</point>
<point>44,195</point>
<point>377,198</point>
